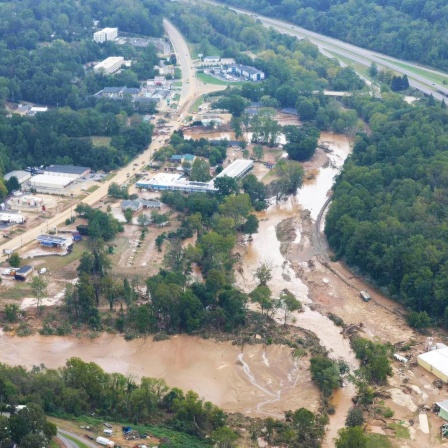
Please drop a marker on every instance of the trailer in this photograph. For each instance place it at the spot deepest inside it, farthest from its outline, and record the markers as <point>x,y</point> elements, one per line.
<point>105,442</point>
<point>364,295</point>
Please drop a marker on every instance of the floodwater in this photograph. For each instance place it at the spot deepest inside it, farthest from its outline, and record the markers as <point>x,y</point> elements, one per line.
<point>265,247</point>
<point>256,380</point>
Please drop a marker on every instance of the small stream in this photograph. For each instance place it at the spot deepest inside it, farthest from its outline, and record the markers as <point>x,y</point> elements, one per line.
<point>265,247</point>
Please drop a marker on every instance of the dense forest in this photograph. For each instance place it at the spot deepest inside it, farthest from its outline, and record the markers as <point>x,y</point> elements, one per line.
<point>414,30</point>
<point>389,210</point>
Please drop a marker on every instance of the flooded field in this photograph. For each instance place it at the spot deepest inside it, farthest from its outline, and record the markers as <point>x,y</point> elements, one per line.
<point>256,381</point>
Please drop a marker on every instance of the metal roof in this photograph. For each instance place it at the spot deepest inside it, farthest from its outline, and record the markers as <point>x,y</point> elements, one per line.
<point>69,169</point>
<point>24,270</point>
<point>443,405</point>
<point>51,239</point>
<point>236,168</point>
<point>438,359</point>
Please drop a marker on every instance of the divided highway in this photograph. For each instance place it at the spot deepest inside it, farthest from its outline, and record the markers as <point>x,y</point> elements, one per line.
<point>357,54</point>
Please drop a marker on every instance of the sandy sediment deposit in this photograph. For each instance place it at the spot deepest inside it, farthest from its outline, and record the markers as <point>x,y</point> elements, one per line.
<point>257,381</point>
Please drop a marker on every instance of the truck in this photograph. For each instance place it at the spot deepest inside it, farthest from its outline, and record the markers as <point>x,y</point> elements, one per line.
<point>105,442</point>
<point>364,295</point>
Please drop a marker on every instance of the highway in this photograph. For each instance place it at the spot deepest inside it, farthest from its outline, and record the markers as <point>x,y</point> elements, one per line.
<point>189,89</point>
<point>62,436</point>
<point>360,55</point>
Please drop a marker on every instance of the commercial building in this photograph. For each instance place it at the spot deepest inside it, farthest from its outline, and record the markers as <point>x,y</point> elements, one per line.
<point>71,171</point>
<point>117,92</point>
<point>106,34</point>
<point>109,65</point>
<point>247,72</point>
<point>25,202</point>
<point>44,183</point>
<point>175,182</point>
<point>54,241</point>
<point>436,362</point>
<point>138,204</point>
<point>21,176</point>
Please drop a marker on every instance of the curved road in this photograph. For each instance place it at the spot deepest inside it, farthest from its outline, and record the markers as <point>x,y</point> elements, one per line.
<point>357,54</point>
<point>189,88</point>
<point>62,433</point>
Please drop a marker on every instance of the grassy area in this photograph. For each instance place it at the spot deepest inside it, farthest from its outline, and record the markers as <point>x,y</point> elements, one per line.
<point>358,67</point>
<point>211,80</point>
<point>434,77</point>
<point>401,432</point>
<point>177,84</point>
<point>53,444</point>
<point>378,441</point>
<point>93,188</point>
<point>18,292</point>
<point>194,109</point>
<point>109,176</point>
<point>101,141</point>
<point>78,442</point>
<point>52,263</point>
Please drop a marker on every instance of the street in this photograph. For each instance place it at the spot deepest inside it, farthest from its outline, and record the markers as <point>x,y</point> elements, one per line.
<point>189,88</point>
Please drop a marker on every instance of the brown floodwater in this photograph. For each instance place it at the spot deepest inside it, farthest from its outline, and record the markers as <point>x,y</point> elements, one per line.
<point>256,380</point>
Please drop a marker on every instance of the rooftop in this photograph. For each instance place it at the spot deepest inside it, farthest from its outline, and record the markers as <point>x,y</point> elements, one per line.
<point>438,359</point>
<point>69,169</point>
<point>443,405</point>
<point>61,181</point>
<point>51,239</point>
<point>236,168</point>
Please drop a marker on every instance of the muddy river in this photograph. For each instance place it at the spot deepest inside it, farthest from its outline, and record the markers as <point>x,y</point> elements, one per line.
<point>257,381</point>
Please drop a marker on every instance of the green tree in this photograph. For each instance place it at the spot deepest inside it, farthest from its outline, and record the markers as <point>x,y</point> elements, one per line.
<point>200,170</point>
<point>237,207</point>
<point>128,215</point>
<point>263,273</point>
<point>355,417</point>
<point>419,320</point>
<point>301,143</point>
<point>28,421</point>
<point>325,374</point>
<point>351,438</point>
<point>39,289</point>
<point>287,303</point>
<point>224,437</point>
<point>258,152</point>
<point>143,219</point>
<point>262,296</point>
<point>226,186</point>
<point>373,70</point>
<point>12,184</point>
<point>251,225</point>
<point>14,260</point>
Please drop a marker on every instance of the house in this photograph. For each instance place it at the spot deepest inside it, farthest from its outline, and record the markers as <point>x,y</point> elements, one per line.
<point>181,158</point>
<point>159,80</point>
<point>133,205</point>
<point>117,92</point>
<point>23,273</point>
<point>35,110</point>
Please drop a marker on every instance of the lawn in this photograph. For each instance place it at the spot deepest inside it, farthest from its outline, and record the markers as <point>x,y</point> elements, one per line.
<point>52,263</point>
<point>18,292</point>
<point>93,188</point>
<point>194,109</point>
<point>208,79</point>
<point>177,84</point>
<point>401,432</point>
<point>101,141</point>
<point>378,441</point>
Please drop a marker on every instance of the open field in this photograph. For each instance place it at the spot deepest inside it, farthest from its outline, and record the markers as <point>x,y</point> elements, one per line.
<point>101,141</point>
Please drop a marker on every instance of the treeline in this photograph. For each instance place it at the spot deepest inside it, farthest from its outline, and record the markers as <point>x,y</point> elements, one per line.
<point>81,388</point>
<point>413,30</point>
<point>64,136</point>
<point>291,66</point>
<point>389,210</point>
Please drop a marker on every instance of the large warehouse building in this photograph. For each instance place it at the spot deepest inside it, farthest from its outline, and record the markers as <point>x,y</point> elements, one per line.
<point>436,362</point>
<point>109,65</point>
<point>44,183</point>
<point>21,176</point>
<point>71,171</point>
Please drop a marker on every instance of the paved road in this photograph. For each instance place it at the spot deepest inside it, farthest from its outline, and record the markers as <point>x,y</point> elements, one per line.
<point>62,433</point>
<point>189,89</point>
<point>357,54</point>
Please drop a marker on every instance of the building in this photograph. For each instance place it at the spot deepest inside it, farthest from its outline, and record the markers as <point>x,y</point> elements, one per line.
<point>35,110</point>
<point>138,204</point>
<point>175,182</point>
<point>45,183</point>
<point>211,59</point>
<point>109,65</point>
<point>25,202</point>
<point>71,171</point>
<point>246,72</point>
<point>117,92</point>
<point>181,158</point>
<point>159,80</point>
<point>12,217</point>
<point>237,169</point>
<point>54,241</point>
<point>23,273</point>
<point>21,176</point>
<point>105,35</point>
<point>436,362</point>
<point>443,409</point>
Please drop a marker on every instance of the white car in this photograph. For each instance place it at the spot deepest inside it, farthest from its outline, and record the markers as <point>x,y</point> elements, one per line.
<point>6,272</point>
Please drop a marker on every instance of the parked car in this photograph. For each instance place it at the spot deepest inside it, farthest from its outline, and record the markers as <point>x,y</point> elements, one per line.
<point>6,272</point>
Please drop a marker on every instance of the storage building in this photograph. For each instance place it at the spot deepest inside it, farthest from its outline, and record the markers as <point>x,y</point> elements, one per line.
<point>23,273</point>
<point>44,183</point>
<point>237,169</point>
<point>436,362</point>
<point>74,172</point>
<point>21,176</point>
<point>443,409</point>
<point>54,241</point>
<point>109,65</point>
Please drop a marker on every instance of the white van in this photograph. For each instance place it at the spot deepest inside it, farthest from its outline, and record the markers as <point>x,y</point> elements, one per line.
<point>108,432</point>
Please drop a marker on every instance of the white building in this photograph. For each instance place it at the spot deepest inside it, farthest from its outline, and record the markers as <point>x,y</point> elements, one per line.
<point>106,34</point>
<point>11,216</point>
<point>35,110</point>
<point>21,176</point>
<point>436,362</point>
<point>70,171</point>
<point>25,202</point>
<point>44,183</point>
<point>247,72</point>
<point>109,65</point>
